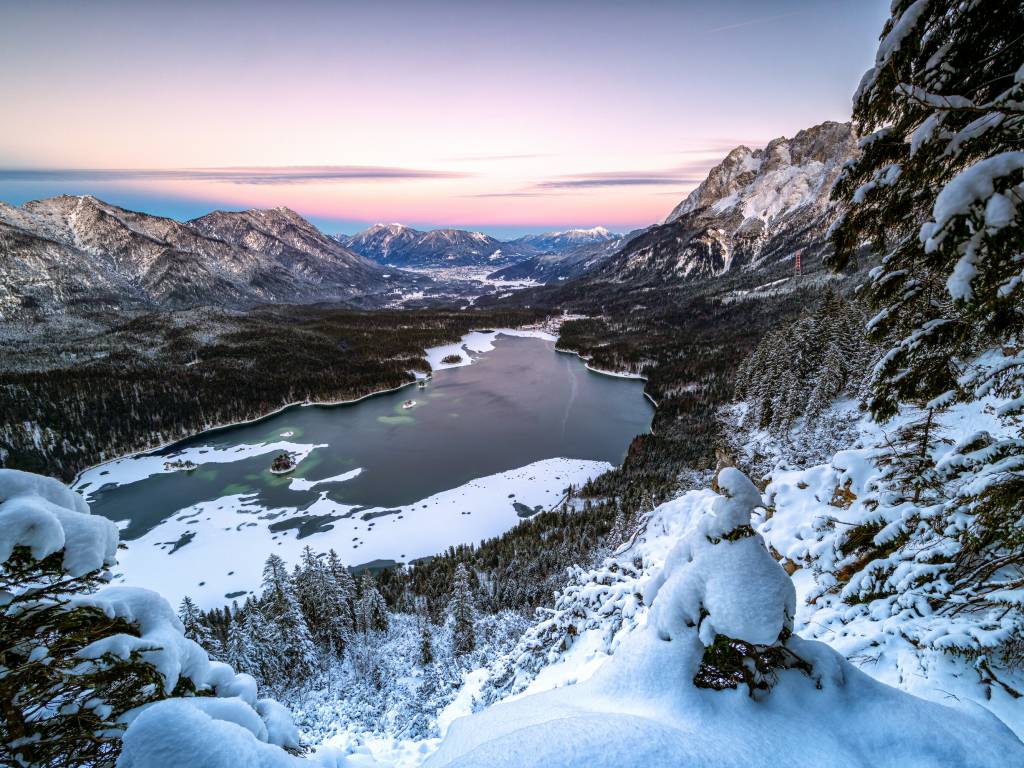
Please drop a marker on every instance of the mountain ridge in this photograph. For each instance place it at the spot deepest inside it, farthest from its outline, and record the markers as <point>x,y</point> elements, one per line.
<point>402,245</point>
<point>754,210</point>
<point>74,251</point>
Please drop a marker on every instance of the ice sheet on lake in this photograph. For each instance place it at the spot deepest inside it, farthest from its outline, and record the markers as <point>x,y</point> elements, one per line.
<point>476,343</point>
<point>132,469</point>
<point>228,539</point>
<point>302,484</point>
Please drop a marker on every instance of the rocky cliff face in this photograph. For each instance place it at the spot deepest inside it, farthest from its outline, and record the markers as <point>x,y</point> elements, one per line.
<point>76,251</point>
<point>755,209</point>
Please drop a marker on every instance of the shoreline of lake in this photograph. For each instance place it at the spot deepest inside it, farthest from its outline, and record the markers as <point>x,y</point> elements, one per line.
<point>428,353</point>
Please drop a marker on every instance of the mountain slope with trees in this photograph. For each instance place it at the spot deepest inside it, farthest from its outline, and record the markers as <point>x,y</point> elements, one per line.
<point>77,253</point>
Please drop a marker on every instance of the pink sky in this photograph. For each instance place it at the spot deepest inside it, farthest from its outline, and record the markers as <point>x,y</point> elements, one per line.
<point>500,116</point>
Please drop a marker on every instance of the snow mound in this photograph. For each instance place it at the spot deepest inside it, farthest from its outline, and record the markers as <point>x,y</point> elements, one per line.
<point>46,516</point>
<point>731,588</point>
<point>200,733</point>
<point>642,706</point>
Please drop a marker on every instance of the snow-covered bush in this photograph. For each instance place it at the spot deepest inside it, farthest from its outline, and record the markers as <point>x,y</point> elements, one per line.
<point>722,583</point>
<point>876,544</point>
<point>81,662</point>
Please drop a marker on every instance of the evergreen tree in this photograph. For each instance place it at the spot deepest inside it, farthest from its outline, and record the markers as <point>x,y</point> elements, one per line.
<point>296,650</point>
<point>938,193</point>
<point>460,613</point>
<point>829,384</point>
<point>619,532</point>
<point>56,710</point>
<point>195,626</point>
<point>346,586</point>
<point>324,604</point>
<point>423,720</point>
<point>908,462</point>
<point>371,611</point>
<point>275,579</point>
<point>261,640</point>
<point>426,646</point>
<point>241,650</point>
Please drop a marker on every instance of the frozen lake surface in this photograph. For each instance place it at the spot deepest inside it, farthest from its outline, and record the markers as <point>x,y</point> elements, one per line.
<point>375,481</point>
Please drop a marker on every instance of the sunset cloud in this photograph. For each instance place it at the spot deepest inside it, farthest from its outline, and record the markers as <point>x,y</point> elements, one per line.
<point>306,174</point>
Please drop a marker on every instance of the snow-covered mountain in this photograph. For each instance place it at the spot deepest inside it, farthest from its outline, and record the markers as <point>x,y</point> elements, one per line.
<point>548,242</point>
<point>755,209</point>
<point>402,246</point>
<point>566,263</point>
<point>77,250</point>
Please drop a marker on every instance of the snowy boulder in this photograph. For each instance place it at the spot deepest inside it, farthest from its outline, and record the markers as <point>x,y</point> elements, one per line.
<point>46,516</point>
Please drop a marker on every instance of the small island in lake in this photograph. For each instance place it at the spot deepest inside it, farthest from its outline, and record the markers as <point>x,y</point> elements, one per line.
<point>177,464</point>
<point>451,359</point>
<point>282,464</point>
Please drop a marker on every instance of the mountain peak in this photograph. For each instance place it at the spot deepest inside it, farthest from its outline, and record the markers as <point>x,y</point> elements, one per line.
<point>782,176</point>
<point>112,256</point>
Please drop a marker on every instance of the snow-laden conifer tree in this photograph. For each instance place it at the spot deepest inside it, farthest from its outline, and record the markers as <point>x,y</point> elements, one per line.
<point>938,192</point>
<point>371,610</point>
<point>86,669</point>
<point>295,648</point>
<point>241,650</point>
<point>346,591</point>
<point>426,645</point>
<point>195,627</point>
<point>324,605</point>
<point>460,613</point>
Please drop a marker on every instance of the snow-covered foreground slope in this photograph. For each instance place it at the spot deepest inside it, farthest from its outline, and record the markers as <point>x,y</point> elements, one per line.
<point>705,574</point>
<point>629,671</point>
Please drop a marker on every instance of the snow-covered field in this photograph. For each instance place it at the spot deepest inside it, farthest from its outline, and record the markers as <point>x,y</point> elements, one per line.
<point>230,536</point>
<point>472,275</point>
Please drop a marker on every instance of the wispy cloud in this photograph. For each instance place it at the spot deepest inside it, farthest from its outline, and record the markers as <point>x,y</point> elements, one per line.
<point>508,194</point>
<point>260,175</point>
<point>671,177</point>
<point>484,157</point>
<point>759,20</point>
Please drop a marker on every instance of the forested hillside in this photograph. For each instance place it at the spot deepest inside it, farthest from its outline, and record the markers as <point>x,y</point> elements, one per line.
<point>145,381</point>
